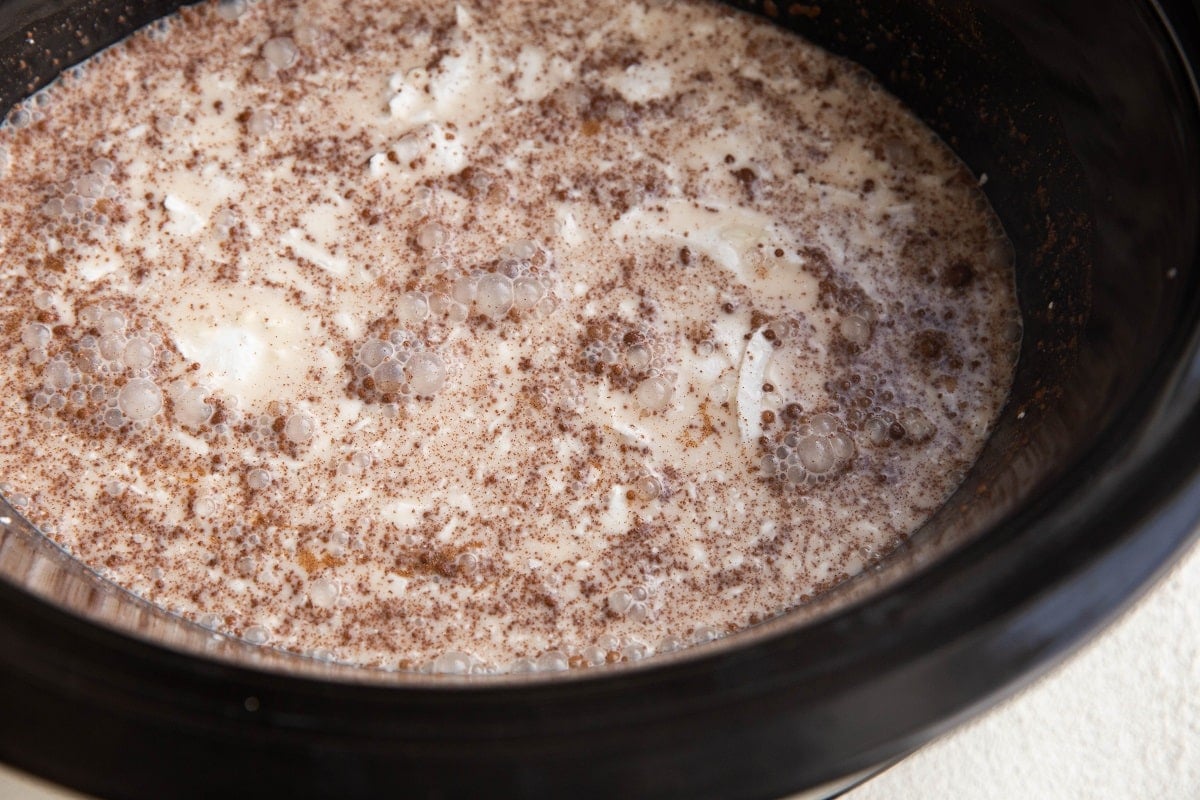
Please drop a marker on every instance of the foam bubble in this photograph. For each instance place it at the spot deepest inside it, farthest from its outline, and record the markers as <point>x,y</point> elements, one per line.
<point>36,336</point>
<point>281,52</point>
<point>257,634</point>
<point>552,661</point>
<point>452,663</point>
<point>634,650</point>
<point>58,375</point>
<point>412,307</point>
<point>190,408</point>
<point>654,394</point>
<point>527,292</point>
<point>816,454</point>
<point>112,346</point>
<point>917,426</point>
<point>299,428</point>
<point>323,593</point>
<point>230,10</point>
<point>258,478</point>
<point>855,329</point>
<point>669,644</point>
<point>620,601</point>
<point>204,507</point>
<point>139,399</point>
<point>264,70</point>
<point>90,185</point>
<point>260,123</point>
<point>876,429</point>
<point>390,377</point>
<point>521,249</point>
<point>638,357</point>
<point>594,655</point>
<point>138,354</point>
<point>426,373</point>
<point>374,353</point>
<point>464,289</point>
<point>224,220</point>
<point>494,295</point>
<point>648,487</point>
<point>431,235</point>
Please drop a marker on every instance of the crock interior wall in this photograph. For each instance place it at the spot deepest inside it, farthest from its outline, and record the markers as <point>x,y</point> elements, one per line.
<point>1080,175</point>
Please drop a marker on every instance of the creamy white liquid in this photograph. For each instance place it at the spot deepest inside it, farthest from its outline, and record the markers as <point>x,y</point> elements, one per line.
<point>486,338</point>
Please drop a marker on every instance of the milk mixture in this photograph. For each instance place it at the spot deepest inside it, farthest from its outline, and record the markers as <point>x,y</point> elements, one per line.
<point>488,336</point>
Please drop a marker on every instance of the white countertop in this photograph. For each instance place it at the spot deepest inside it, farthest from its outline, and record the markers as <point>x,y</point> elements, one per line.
<point>1120,719</point>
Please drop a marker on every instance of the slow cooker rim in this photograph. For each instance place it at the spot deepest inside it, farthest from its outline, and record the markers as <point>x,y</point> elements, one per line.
<point>1165,510</point>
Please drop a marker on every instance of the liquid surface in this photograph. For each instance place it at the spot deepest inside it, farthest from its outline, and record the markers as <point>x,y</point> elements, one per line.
<point>487,337</point>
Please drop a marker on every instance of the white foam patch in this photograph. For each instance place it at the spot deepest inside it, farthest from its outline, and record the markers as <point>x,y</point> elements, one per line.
<point>642,83</point>
<point>751,377</point>
<point>250,342</point>
<point>295,238</point>
<point>185,220</point>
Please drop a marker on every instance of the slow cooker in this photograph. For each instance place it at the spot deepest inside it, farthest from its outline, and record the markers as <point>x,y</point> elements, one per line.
<point>1083,116</point>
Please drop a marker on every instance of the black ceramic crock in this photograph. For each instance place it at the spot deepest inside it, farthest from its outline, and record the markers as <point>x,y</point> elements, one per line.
<point>1083,115</point>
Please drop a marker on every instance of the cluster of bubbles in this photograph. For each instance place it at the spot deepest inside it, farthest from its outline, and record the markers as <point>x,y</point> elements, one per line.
<point>632,360</point>
<point>871,410</point>
<point>630,603</point>
<point>815,450</point>
<point>16,499</point>
<point>513,284</point>
<point>607,649</point>
<point>279,427</point>
<point>610,649</point>
<point>109,370</point>
<point>80,202</point>
<point>399,367</point>
<point>26,113</point>
<point>909,424</point>
<point>358,463</point>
